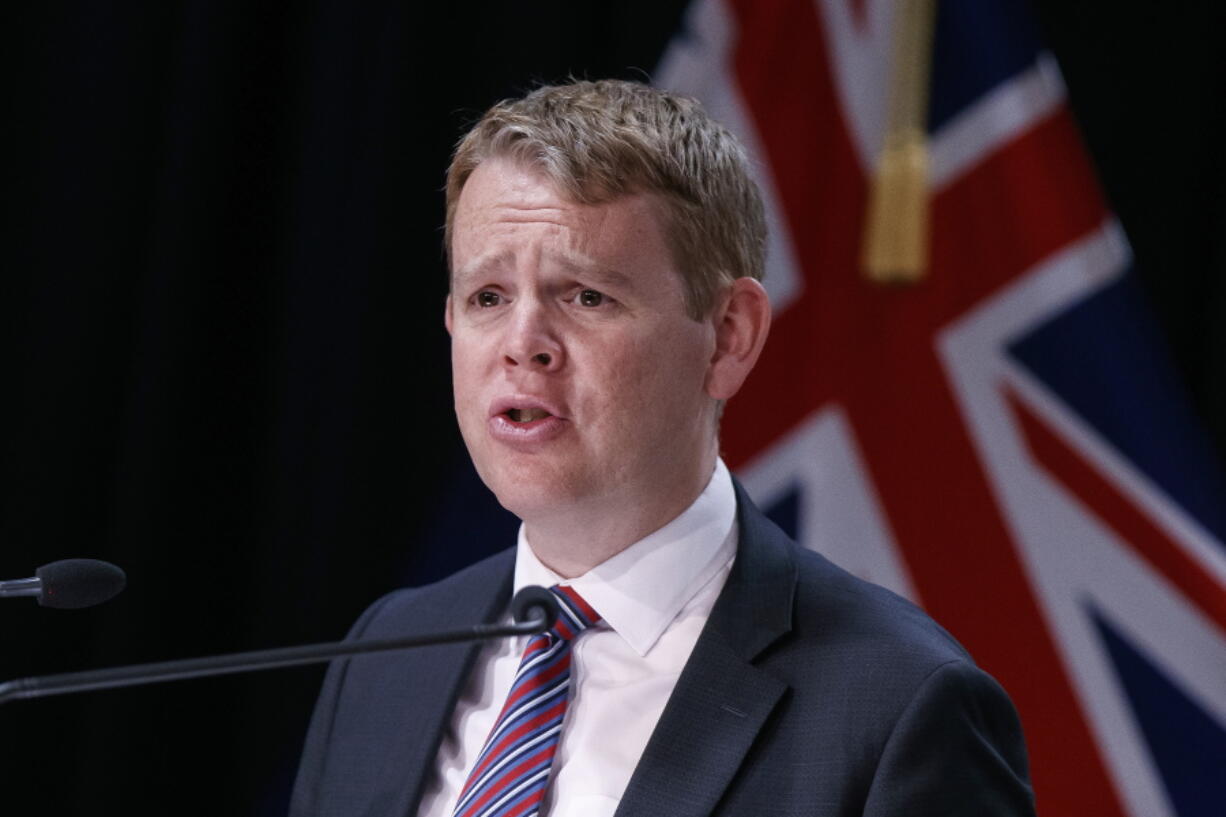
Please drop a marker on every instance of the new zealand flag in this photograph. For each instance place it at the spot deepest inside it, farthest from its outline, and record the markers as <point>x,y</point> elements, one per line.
<point>1003,441</point>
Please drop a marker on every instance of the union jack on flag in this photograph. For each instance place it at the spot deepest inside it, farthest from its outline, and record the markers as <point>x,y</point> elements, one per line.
<point>1003,441</point>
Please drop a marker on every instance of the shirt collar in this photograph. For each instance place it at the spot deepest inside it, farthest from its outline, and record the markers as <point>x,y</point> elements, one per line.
<point>639,591</point>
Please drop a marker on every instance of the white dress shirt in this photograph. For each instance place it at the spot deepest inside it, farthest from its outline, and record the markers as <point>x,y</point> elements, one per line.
<point>654,598</point>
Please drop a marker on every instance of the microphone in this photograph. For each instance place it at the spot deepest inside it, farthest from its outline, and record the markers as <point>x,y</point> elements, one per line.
<point>534,602</point>
<point>69,584</point>
<point>534,609</point>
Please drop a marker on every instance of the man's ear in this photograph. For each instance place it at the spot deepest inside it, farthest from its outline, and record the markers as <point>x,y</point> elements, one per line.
<point>742,320</point>
<point>447,313</point>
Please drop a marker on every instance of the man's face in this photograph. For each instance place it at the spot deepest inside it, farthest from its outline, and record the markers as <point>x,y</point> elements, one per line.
<point>579,378</point>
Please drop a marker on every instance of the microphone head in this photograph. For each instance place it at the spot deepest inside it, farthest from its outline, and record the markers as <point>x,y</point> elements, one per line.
<point>534,603</point>
<point>70,584</point>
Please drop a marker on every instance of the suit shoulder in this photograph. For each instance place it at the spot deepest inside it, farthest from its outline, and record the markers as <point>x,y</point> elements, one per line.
<point>454,600</point>
<point>884,660</point>
<point>827,612</point>
<point>834,606</point>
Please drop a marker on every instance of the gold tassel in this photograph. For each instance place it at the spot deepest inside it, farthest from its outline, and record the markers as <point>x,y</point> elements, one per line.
<point>895,246</point>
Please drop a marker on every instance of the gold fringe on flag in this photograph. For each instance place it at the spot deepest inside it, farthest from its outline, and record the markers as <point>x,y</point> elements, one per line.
<point>895,246</point>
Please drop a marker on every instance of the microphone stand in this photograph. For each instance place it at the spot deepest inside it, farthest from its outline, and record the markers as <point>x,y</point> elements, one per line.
<point>535,617</point>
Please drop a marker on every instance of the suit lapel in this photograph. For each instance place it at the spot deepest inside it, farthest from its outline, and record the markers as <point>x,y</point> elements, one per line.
<point>721,700</point>
<point>431,700</point>
<point>712,718</point>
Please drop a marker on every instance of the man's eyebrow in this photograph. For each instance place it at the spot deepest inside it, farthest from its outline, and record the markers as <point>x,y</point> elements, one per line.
<point>600,275</point>
<point>578,266</point>
<point>479,266</point>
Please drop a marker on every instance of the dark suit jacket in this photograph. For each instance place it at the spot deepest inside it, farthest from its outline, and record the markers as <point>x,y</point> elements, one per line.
<point>809,692</point>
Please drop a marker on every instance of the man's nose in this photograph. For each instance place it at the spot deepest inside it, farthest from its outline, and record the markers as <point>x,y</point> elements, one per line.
<point>532,340</point>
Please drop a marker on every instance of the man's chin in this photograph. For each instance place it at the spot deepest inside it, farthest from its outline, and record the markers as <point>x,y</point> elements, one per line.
<point>534,502</point>
<point>538,493</point>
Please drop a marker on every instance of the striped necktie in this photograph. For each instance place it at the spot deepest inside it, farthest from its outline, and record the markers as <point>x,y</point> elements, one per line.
<point>512,771</point>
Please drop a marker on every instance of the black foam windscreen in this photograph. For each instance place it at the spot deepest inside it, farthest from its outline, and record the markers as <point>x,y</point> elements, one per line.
<point>70,584</point>
<point>533,602</point>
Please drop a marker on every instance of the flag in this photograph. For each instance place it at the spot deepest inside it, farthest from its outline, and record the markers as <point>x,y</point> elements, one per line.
<point>1001,439</point>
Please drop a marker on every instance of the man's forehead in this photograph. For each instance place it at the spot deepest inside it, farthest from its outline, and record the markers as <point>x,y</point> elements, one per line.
<point>505,182</point>
<point>505,189</point>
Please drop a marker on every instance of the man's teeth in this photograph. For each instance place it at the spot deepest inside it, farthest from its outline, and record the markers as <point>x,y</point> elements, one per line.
<point>527,415</point>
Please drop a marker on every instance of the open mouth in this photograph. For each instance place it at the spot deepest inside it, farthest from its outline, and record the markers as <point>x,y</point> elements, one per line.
<point>526,415</point>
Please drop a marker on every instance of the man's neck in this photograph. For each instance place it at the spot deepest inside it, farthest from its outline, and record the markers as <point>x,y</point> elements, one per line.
<point>572,550</point>
<point>573,543</point>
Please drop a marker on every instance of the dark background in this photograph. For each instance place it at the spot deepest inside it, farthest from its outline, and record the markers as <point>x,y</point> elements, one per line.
<point>221,339</point>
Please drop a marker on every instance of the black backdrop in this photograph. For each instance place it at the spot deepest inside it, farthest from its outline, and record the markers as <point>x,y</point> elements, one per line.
<point>223,359</point>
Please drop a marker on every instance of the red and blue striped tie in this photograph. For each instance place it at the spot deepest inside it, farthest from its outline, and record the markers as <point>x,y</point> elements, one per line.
<point>510,776</point>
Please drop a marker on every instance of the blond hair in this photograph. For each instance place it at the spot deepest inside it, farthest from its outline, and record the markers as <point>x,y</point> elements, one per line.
<point>597,141</point>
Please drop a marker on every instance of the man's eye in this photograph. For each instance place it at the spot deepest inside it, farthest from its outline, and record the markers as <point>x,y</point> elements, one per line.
<point>487,298</point>
<point>590,297</point>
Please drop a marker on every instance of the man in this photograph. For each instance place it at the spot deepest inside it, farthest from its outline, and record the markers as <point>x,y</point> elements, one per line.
<point>606,243</point>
